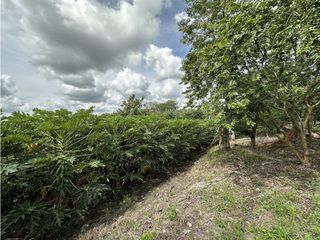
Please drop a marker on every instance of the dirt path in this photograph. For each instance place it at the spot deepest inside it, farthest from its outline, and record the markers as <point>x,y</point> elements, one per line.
<point>222,196</point>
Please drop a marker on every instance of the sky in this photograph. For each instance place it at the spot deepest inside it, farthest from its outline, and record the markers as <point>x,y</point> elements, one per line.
<point>81,53</point>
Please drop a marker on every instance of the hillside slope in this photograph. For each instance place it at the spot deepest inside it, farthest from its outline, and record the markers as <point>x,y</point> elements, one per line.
<point>241,194</point>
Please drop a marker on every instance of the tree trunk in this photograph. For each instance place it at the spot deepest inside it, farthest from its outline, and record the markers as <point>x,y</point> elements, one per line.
<point>304,146</point>
<point>310,129</point>
<point>233,136</point>
<point>299,129</point>
<point>253,133</point>
<point>305,127</point>
<point>224,141</point>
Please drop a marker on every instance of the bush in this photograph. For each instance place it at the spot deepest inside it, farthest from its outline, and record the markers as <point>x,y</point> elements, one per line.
<point>57,165</point>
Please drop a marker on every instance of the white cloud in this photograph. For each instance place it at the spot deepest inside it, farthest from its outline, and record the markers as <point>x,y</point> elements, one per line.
<point>135,59</point>
<point>128,82</point>
<point>76,41</point>
<point>9,102</point>
<point>164,63</point>
<point>168,89</point>
<point>70,36</point>
<point>85,79</point>
<point>167,69</point>
<point>8,86</point>
<point>85,95</point>
<point>93,51</point>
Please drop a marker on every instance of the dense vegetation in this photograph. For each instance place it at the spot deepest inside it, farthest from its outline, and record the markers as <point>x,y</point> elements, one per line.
<point>251,64</point>
<point>256,61</point>
<point>56,165</point>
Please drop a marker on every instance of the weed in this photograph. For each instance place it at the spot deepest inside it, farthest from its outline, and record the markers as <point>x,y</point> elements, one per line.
<point>215,154</point>
<point>220,222</point>
<point>314,217</point>
<point>127,201</point>
<point>257,181</point>
<point>132,224</point>
<point>236,231</point>
<point>230,229</point>
<point>274,233</point>
<point>172,212</point>
<point>147,236</point>
<point>281,203</point>
<point>249,156</point>
<point>225,195</point>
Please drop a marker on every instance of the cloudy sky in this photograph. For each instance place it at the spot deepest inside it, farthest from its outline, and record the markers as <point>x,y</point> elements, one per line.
<point>82,53</point>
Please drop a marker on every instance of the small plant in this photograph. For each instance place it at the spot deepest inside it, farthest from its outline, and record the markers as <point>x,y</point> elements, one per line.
<point>281,203</point>
<point>277,231</point>
<point>172,212</point>
<point>226,197</point>
<point>215,154</point>
<point>220,222</point>
<point>314,218</point>
<point>127,201</point>
<point>147,236</point>
<point>257,181</point>
<point>250,157</point>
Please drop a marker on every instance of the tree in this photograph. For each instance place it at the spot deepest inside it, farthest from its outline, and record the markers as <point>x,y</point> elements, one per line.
<point>170,105</point>
<point>213,68</point>
<point>249,58</point>
<point>131,106</point>
<point>291,73</point>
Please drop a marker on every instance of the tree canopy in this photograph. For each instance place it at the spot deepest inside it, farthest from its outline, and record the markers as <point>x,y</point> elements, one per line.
<point>251,58</point>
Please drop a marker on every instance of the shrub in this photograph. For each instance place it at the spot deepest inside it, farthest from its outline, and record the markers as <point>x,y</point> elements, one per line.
<point>57,165</point>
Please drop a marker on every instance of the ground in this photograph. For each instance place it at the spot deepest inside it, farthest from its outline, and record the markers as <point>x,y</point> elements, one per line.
<point>241,194</point>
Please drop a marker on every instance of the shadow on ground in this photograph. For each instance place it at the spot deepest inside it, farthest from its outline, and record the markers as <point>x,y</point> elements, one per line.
<point>108,212</point>
<point>273,160</point>
<point>196,190</point>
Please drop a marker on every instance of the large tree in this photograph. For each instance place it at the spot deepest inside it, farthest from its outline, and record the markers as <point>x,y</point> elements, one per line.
<point>253,57</point>
<point>215,68</point>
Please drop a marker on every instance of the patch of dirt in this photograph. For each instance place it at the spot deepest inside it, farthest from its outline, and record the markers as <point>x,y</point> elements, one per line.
<point>193,192</point>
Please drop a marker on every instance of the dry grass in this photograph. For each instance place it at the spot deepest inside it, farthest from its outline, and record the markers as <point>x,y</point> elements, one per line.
<point>241,194</point>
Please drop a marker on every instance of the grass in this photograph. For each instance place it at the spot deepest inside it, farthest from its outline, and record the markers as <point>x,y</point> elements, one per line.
<point>282,203</point>
<point>147,236</point>
<point>289,222</point>
<point>257,181</point>
<point>250,156</point>
<point>241,194</point>
<point>215,154</point>
<point>172,212</point>
<point>228,229</point>
<point>314,217</point>
<point>226,196</point>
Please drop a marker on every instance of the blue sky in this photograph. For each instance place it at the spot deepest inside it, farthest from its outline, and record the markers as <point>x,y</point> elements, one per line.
<point>77,54</point>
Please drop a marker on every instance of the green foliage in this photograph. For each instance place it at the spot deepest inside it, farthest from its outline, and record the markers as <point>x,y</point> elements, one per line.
<point>167,106</point>
<point>131,106</point>
<point>147,236</point>
<point>254,58</point>
<point>275,232</point>
<point>57,165</point>
<point>172,212</point>
<point>314,218</point>
<point>282,204</point>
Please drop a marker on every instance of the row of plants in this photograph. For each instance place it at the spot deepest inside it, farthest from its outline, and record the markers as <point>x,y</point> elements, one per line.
<point>57,165</point>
